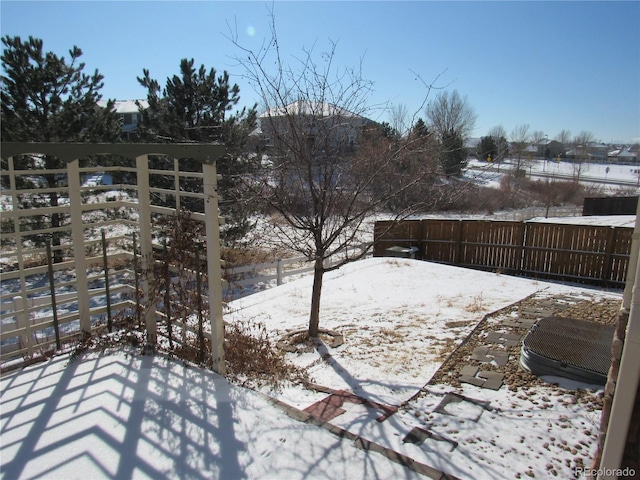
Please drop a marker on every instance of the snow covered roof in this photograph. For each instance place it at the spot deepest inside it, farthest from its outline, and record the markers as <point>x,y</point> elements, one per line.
<point>306,107</point>
<point>126,106</point>
<point>626,154</point>
<point>597,146</point>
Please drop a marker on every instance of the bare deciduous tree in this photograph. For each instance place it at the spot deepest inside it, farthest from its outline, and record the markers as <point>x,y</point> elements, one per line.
<point>329,167</point>
<point>520,139</point>
<point>537,136</point>
<point>451,113</point>
<point>564,137</point>
<point>499,135</point>
<point>400,118</point>
<point>453,119</point>
<point>581,144</point>
<point>581,153</point>
<point>553,193</point>
<point>497,132</point>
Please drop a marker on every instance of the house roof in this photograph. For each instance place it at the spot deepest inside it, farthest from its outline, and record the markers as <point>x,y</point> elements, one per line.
<point>306,107</point>
<point>626,154</point>
<point>126,106</point>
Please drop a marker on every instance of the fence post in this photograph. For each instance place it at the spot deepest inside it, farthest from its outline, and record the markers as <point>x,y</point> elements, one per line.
<point>54,305</point>
<point>422,239</point>
<point>213,267</point>
<point>176,183</point>
<point>146,250</point>
<point>278,271</point>
<point>77,235</point>
<point>106,280</point>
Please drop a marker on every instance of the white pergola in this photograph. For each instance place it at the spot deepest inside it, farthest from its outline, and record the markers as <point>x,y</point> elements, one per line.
<point>70,153</point>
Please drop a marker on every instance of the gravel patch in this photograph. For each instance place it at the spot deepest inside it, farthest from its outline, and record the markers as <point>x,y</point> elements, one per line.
<point>604,311</point>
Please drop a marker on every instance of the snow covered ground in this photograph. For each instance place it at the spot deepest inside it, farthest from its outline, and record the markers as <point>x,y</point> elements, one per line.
<point>611,177</point>
<point>596,220</point>
<point>119,415</point>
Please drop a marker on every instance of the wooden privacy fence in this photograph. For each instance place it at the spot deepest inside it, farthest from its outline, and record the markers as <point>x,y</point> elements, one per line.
<point>579,253</point>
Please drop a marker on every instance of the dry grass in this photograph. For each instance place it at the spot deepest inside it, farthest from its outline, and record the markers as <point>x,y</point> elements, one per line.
<point>393,334</point>
<point>475,305</point>
<point>253,360</point>
<point>238,257</point>
<point>131,336</point>
<point>445,347</point>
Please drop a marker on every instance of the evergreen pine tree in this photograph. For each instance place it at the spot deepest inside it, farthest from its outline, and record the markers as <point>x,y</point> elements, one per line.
<point>388,131</point>
<point>486,147</point>
<point>196,106</point>
<point>420,128</point>
<point>453,157</point>
<point>46,98</point>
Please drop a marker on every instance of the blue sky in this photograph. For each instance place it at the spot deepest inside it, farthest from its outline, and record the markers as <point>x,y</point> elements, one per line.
<point>553,65</point>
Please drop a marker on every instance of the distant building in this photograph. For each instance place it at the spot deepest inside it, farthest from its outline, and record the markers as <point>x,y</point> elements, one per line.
<point>623,155</point>
<point>591,152</point>
<point>130,116</point>
<point>310,119</point>
<point>546,148</point>
<point>531,151</point>
<point>597,152</point>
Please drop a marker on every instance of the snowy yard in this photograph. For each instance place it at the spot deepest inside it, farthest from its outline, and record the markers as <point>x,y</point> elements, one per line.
<point>119,415</point>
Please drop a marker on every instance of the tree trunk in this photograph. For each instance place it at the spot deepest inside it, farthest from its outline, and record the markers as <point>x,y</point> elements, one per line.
<point>314,318</point>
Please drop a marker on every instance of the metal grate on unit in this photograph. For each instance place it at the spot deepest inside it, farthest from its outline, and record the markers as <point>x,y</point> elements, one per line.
<point>570,348</point>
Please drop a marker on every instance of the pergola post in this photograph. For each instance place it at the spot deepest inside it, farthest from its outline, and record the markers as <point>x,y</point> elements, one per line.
<point>214,270</point>
<point>77,238</point>
<point>20,305</point>
<point>146,250</point>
